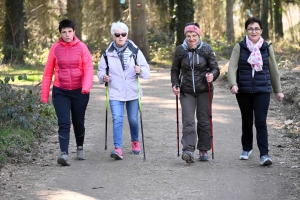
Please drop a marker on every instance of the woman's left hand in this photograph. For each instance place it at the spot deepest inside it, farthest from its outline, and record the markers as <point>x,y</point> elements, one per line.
<point>209,77</point>
<point>280,96</point>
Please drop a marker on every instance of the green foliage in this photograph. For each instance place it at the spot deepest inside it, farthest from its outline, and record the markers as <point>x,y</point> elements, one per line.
<point>15,144</point>
<point>23,109</point>
<point>12,78</point>
<point>161,50</point>
<point>23,118</point>
<point>220,46</point>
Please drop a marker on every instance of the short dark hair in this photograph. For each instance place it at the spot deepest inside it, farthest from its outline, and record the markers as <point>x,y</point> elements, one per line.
<point>192,23</point>
<point>66,23</point>
<point>252,20</point>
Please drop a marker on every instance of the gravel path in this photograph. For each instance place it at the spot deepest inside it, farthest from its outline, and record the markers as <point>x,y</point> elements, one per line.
<point>163,175</point>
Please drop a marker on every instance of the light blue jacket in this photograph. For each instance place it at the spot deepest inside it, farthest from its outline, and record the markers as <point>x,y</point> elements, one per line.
<point>122,85</point>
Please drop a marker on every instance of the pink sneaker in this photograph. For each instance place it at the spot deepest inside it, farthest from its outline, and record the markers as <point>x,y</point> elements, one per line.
<point>117,154</point>
<point>136,149</point>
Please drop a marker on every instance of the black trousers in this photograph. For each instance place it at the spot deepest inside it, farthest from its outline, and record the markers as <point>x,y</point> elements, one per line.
<point>70,104</point>
<point>254,106</point>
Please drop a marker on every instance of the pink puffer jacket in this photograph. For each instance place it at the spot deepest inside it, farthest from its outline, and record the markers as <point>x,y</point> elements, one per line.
<point>72,66</point>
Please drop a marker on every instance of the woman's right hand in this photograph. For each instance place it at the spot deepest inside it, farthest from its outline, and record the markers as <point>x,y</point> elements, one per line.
<point>106,78</point>
<point>234,89</point>
<point>176,90</point>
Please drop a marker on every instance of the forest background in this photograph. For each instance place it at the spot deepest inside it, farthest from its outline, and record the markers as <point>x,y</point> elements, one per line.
<point>30,27</point>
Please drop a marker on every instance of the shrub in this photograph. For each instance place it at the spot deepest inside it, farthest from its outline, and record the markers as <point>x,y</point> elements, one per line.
<point>24,119</point>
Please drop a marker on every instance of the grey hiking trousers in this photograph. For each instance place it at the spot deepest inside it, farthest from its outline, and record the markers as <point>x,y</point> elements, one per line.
<point>199,103</point>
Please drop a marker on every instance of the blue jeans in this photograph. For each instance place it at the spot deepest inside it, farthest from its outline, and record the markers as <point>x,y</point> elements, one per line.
<point>117,110</point>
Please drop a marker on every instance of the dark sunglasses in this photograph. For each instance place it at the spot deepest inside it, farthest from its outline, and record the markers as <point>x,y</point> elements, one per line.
<point>118,34</point>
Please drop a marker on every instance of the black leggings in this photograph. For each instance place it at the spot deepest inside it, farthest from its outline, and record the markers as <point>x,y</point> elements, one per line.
<point>254,106</point>
<point>67,104</point>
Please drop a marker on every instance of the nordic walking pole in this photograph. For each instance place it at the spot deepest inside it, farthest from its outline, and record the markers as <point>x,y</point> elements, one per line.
<point>210,121</point>
<point>106,102</point>
<point>177,125</point>
<point>106,105</point>
<point>140,105</point>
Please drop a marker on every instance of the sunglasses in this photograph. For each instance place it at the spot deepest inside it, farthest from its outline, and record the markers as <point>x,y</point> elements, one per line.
<point>118,34</point>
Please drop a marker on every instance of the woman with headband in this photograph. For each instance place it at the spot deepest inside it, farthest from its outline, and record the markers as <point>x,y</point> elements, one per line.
<point>194,68</point>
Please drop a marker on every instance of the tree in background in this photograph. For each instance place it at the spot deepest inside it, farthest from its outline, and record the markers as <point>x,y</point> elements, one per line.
<point>74,13</point>
<point>94,27</point>
<point>264,19</point>
<point>217,19</point>
<point>184,14</point>
<point>172,20</point>
<point>138,25</point>
<point>117,12</point>
<point>229,21</point>
<point>2,13</point>
<point>14,32</point>
<point>278,28</point>
<point>163,25</point>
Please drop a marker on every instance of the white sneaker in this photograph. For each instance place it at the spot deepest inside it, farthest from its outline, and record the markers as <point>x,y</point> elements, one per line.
<point>245,155</point>
<point>80,153</point>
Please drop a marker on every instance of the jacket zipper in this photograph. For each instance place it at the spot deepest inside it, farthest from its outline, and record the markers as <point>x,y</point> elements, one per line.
<point>68,51</point>
<point>193,73</point>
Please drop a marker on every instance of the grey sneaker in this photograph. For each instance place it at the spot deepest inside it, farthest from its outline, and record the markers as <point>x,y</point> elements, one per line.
<point>245,155</point>
<point>265,160</point>
<point>203,156</point>
<point>63,159</point>
<point>188,156</point>
<point>80,153</point>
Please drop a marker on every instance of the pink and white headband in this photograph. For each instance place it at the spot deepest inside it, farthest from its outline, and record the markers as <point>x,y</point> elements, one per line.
<point>192,28</point>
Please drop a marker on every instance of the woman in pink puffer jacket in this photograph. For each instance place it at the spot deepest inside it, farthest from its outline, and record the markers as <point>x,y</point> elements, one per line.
<point>71,63</point>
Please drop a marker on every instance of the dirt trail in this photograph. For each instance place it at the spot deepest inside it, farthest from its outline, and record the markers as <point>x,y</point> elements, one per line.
<point>163,175</point>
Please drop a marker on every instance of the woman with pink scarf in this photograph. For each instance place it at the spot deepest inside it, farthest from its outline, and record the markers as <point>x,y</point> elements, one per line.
<point>252,74</point>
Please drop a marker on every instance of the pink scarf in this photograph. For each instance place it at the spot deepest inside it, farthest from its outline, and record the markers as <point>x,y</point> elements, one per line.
<point>255,58</point>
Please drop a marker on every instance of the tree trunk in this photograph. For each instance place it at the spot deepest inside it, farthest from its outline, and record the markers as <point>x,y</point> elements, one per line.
<point>116,11</point>
<point>217,19</point>
<point>138,32</point>
<point>74,13</point>
<point>172,21</point>
<point>256,8</point>
<point>229,21</point>
<point>278,19</point>
<point>184,14</point>
<point>264,18</point>
<point>14,32</point>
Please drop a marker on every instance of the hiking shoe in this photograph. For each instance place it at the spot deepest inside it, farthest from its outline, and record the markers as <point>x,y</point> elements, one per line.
<point>80,153</point>
<point>63,159</point>
<point>117,154</point>
<point>245,155</point>
<point>203,156</point>
<point>265,160</point>
<point>136,149</point>
<point>188,156</point>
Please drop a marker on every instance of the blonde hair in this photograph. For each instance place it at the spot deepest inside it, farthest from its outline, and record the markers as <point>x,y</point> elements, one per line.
<point>118,25</point>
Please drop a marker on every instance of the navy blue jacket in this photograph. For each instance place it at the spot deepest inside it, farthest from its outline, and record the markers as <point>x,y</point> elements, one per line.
<point>261,82</point>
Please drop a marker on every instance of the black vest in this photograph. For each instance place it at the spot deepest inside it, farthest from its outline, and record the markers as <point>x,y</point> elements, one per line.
<point>261,82</point>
